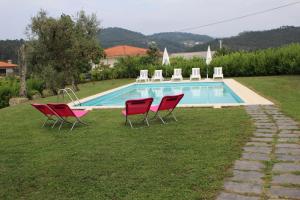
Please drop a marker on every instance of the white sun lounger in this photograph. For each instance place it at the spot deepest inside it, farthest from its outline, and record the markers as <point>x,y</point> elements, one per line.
<point>218,73</point>
<point>177,75</point>
<point>195,74</point>
<point>143,76</point>
<point>157,76</point>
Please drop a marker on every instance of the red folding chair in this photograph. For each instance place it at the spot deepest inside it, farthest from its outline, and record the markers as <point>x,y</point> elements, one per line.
<point>48,112</point>
<point>65,112</point>
<point>168,103</point>
<point>137,107</point>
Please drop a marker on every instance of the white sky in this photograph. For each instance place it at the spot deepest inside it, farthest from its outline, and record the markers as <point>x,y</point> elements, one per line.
<point>152,16</point>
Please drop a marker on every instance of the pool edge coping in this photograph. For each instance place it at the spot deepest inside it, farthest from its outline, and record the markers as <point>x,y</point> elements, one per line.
<point>247,95</point>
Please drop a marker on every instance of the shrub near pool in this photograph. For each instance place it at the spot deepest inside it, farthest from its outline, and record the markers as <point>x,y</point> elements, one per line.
<point>273,61</point>
<point>9,87</point>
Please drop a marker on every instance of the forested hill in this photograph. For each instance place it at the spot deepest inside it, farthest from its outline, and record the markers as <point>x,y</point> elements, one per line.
<point>179,42</point>
<point>256,39</point>
<point>109,37</point>
<point>174,41</point>
<point>9,49</point>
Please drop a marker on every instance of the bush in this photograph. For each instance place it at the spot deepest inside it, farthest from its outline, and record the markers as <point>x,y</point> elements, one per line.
<point>5,95</point>
<point>273,61</point>
<point>9,87</point>
<point>129,67</point>
<point>35,85</point>
<point>31,93</point>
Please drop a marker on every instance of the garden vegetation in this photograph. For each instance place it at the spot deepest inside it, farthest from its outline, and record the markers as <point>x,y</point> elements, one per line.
<point>273,61</point>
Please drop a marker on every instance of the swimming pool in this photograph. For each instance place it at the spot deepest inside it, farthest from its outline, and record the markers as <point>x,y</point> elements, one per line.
<point>195,93</point>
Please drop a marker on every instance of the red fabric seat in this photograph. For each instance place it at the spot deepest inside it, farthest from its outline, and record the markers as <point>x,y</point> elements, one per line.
<point>80,113</point>
<point>168,103</point>
<point>48,112</point>
<point>137,107</point>
<point>154,108</point>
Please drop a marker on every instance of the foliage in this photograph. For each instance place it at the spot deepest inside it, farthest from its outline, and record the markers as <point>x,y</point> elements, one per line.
<point>36,84</point>
<point>174,41</point>
<point>110,37</point>
<point>5,95</point>
<point>12,83</point>
<point>129,67</point>
<point>62,48</point>
<point>284,60</point>
<point>9,50</point>
<point>274,61</point>
<point>255,40</point>
<point>10,86</point>
<point>153,54</point>
<point>222,52</point>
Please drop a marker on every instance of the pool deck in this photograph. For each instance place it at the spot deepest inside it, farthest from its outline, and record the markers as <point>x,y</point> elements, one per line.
<point>248,96</point>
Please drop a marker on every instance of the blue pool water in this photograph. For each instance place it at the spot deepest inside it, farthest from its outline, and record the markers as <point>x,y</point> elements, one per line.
<point>194,93</point>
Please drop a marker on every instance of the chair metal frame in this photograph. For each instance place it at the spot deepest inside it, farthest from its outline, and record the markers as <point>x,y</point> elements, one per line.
<point>65,118</point>
<point>170,112</point>
<point>49,117</point>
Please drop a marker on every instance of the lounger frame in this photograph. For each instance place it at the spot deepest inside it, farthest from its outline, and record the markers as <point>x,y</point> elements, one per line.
<point>169,110</point>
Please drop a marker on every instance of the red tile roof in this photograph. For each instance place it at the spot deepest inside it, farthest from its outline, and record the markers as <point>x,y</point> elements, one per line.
<point>5,65</point>
<point>124,50</point>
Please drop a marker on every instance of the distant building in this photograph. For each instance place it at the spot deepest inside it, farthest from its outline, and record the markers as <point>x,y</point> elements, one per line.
<point>7,68</point>
<point>113,53</point>
<point>190,55</point>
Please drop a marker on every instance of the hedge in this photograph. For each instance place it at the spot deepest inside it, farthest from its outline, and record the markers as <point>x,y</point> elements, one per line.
<point>273,61</point>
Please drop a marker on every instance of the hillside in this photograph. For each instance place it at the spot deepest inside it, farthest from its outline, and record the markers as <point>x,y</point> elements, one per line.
<point>115,36</point>
<point>180,42</point>
<point>254,40</point>
<point>9,49</point>
<point>175,41</point>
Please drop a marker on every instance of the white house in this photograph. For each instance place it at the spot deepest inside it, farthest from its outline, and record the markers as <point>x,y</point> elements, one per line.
<point>7,68</point>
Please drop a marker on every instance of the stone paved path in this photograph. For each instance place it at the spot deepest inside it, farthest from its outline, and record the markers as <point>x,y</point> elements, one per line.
<point>270,164</point>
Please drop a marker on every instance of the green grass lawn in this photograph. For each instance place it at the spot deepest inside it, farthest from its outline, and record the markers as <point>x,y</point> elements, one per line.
<point>107,160</point>
<point>282,90</point>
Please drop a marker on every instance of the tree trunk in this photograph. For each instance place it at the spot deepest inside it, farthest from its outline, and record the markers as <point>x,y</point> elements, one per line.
<point>23,70</point>
<point>74,84</point>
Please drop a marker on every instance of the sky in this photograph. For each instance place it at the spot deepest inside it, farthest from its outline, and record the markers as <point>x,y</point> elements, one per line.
<point>153,16</point>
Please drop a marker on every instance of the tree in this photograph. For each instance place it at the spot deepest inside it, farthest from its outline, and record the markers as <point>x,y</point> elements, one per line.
<point>223,51</point>
<point>23,70</point>
<point>9,49</point>
<point>153,54</point>
<point>63,47</point>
